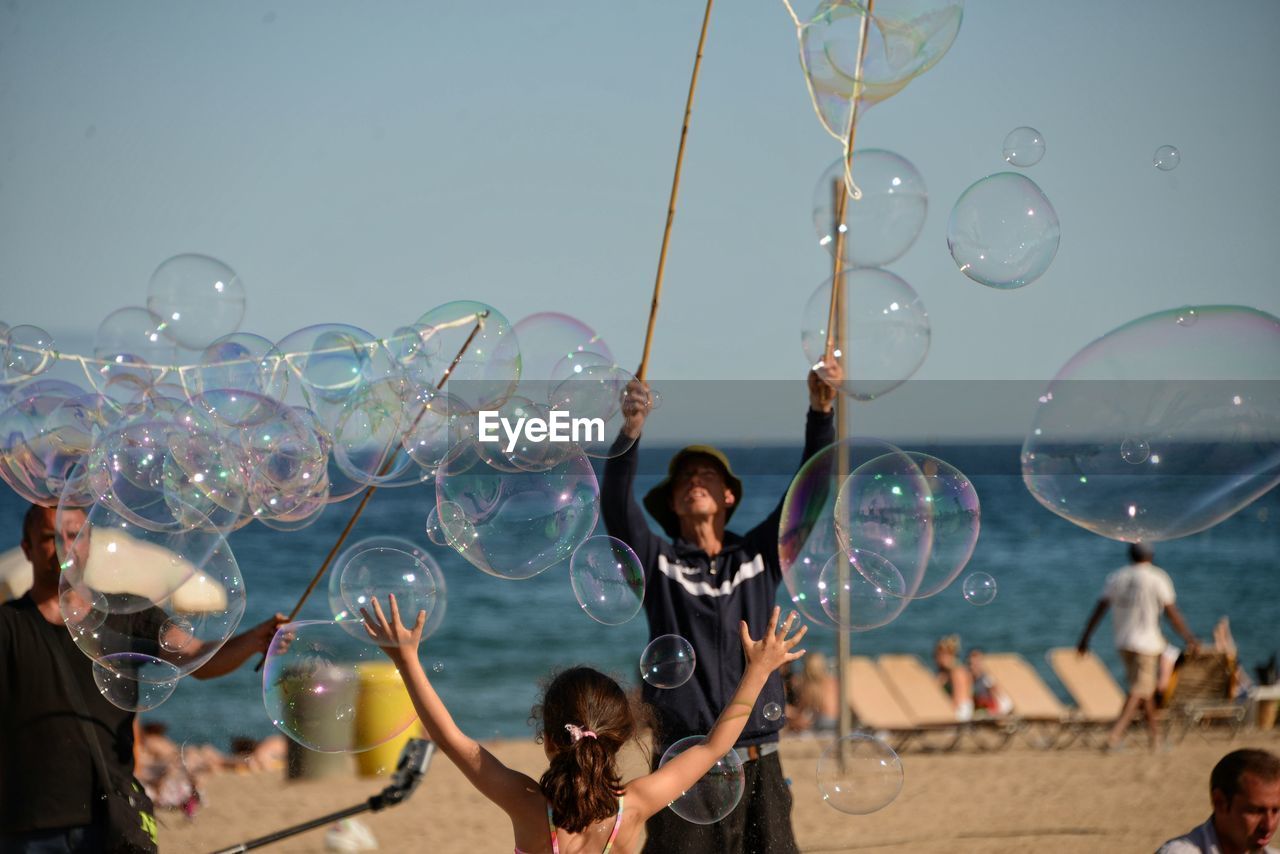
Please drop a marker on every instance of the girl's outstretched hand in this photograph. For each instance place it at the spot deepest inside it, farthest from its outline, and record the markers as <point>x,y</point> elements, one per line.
<point>393,636</point>
<point>774,649</point>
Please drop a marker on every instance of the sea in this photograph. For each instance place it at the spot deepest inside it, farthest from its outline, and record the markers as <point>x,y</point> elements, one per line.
<point>500,637</point>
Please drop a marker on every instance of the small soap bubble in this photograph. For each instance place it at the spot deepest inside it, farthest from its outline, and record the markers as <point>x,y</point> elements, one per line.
<point>979,588</point>
<point>667,662</point>
<point>438,667</point>
<point>772,711</point>
<point>27,350</point>
<point>1023,147</point>
<point>1003,232</point>
<point>1135,451</point>
<point>1166,158</point>
<point>859,775</point>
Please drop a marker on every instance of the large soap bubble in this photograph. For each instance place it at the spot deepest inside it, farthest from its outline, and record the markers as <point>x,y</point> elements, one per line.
<point>859,774</point>
<point>607,580</point>
<point>1199,398</point>
<point>199,298</point>
<point>932,533</point>
<point>905,38</point>
<point>469,346</point>
<point>331,362</point>
<point>45,432</point>
<point>667,662</point>
<point>590,402</point>
<point>550,342</point>
<point>134,335</point>
<point>1003,232</point>
<point>886,331</point>
<point>376,568</point>
<point>883,223</point>
<point>716,794</point>
<point>309,688</point>
<point>135,682</point>
<point>242,361</point>
<point>516,524</point>
<point>807,531</point>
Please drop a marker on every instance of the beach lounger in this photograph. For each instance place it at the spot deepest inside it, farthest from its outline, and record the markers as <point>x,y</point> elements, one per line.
<point>1099,700</point>
<point>1200,692</point>
<point>876,707</point>
<point>1046,722</point>
<point>924,699</point>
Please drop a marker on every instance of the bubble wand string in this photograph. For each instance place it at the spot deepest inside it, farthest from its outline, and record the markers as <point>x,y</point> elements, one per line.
<point>854,190</point>
<point>675,190</point>
<point>372,488</point>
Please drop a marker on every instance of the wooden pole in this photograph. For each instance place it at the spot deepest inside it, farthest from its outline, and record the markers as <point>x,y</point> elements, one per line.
<point>382,472</point>
<point>671,203</point>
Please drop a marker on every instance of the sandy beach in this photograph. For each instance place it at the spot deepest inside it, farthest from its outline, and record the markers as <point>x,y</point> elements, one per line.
<point>1015,800</point>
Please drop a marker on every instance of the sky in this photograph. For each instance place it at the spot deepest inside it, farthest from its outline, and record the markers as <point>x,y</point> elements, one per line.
<point>365,162</point>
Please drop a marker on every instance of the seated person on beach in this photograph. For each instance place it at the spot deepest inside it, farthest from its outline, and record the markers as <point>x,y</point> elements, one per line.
<point>814,701</point>
<point>987,695</point>
<point>1244,789</point>
<point>953,677</point>
<point>584,720</point>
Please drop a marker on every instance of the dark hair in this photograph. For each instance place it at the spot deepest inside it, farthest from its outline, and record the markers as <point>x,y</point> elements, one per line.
<point>1226,774</point>
<point>1141,553</point>
<point>582,784</point>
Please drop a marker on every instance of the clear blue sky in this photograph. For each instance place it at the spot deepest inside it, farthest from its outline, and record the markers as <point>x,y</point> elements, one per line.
<point>363,162</point>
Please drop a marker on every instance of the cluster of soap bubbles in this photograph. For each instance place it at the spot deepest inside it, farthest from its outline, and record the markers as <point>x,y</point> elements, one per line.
<point>180,428</point>
<point>867,527</point>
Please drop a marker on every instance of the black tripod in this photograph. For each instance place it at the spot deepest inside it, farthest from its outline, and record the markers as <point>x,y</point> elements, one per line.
<point>409,772</point>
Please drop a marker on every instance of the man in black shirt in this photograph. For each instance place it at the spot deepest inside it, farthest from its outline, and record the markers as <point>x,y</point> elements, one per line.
<point>699,584</point>
<point>48,784</point>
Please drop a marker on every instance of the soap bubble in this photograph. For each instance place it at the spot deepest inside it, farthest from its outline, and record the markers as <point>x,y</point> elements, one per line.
<point>242,361</point>
<point>517,524</point>
<point>135,682</point>
<point>1166,158</point>
<point>1135,451</point>
<point>45,432</point>
<point>329,361</point>
<point>807,530</point>
<point>916,509</point>
<point>27,351</point>
<point>880,226</point>
<point>1023,147</point>
<point>367,436</point>
<point>772,711</point>
<point>667,662</point>
<point>548,338</point>
<point>376,569</point>
<point>199,298</point>
<point>175,597</point>
<point>859,774</point>
<point>885,337</point>
<point>500,451</point>
<point>718,791</point>
<point>590,401</point>
<point>473,346</point>
<point>903,42</point>
<point>979,588</point>
<point>872,587</point>
<point>607,580</point>
<point>309,688</point>
<point>1003,232</point>
<point>134,336</point>
<point>1200,397</point>
<point>439,424</point>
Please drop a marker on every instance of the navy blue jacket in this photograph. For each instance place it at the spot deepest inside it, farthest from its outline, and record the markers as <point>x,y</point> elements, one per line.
<point>700,598</point>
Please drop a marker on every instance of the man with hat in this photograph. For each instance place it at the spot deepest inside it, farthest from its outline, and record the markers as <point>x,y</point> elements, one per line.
<point>698,585</point>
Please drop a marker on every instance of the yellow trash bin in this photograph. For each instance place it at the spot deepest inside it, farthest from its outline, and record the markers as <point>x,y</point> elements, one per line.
<point>382,706</point>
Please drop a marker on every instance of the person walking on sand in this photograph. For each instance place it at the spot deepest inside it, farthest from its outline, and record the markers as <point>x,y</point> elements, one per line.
<point>699,584</point>
<point>584,719</point>
<point>1138,595</point>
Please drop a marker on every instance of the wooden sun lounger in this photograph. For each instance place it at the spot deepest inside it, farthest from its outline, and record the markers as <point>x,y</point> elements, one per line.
<point>876,706</point>
<point>1046,722</point>
<point>1099,700</point>
<point>924,699</point>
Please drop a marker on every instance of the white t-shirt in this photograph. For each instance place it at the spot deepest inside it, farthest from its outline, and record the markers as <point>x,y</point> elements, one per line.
<point>1138,594</point>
